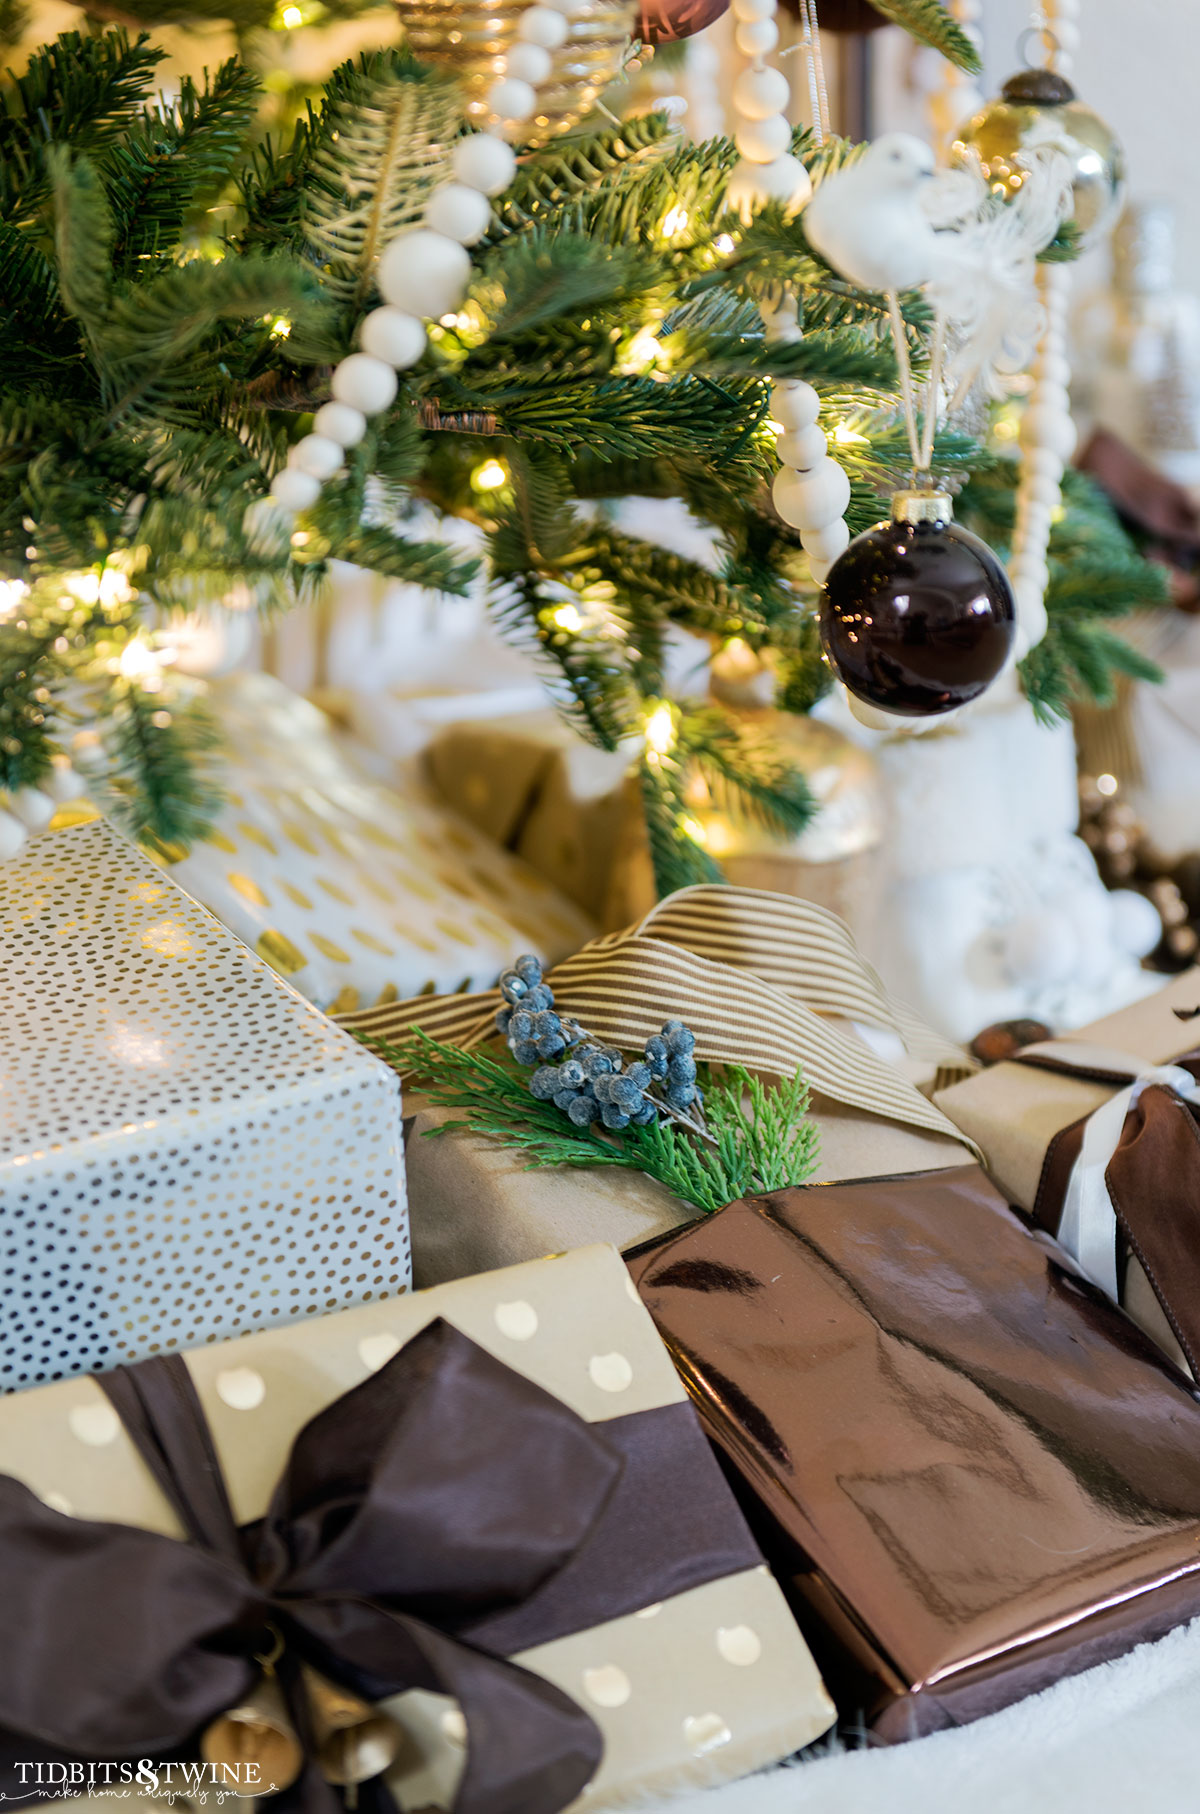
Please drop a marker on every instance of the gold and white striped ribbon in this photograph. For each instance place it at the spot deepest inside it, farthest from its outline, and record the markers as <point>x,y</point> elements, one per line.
<point>751,973</point>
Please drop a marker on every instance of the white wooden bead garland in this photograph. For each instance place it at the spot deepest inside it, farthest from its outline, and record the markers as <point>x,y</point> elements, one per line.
<point>1047,430</point>
<point>766,169</point>
<point>425,271</point>
<point>810,491</point>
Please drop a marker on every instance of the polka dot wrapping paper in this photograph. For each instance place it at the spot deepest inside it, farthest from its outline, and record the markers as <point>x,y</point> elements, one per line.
<point>694,1687</point>
<point>354,891</point>
<point>188,1149</point>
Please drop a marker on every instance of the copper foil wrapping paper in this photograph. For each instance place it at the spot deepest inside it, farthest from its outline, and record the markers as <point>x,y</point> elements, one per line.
<point>971,1472</point>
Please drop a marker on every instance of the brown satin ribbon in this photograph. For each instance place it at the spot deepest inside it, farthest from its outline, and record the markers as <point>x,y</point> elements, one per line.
<point>1153,1181</point>
<point>441,1511</point>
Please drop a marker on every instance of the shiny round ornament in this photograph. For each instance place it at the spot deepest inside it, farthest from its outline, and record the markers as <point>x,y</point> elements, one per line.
<point>666,21</point>
<point>1037,107</point>
<point>917,616</point>
<point>474,37</point>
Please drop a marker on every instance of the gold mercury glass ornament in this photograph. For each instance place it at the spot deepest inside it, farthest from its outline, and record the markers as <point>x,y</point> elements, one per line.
<point>473,39</point>
<point>1038,107</point>
<point>831,862</point>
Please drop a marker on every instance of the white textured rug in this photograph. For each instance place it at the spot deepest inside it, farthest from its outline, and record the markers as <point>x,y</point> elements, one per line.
<point>1122,1739</point>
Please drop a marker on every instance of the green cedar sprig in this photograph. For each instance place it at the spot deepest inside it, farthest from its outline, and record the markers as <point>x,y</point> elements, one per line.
<point>761,1134</point>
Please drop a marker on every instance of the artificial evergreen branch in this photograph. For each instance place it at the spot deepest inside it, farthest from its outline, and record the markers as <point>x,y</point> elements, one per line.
<point>761,1137</point>
<point>1096,578</point>
<point>157,780</point>
<point>160,360</point>
<point>930,23</point>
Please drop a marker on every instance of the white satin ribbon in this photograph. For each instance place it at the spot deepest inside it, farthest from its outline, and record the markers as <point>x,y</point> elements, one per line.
<point>1088,1227</point>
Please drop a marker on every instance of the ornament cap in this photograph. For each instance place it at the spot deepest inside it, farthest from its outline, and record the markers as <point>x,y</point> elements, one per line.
<point>1037,87</point>
<point>925,506</point>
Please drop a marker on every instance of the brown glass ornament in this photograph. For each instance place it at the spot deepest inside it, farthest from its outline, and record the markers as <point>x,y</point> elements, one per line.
<point>666,21</point>
<point>843,15</point>
<point>917,616</point>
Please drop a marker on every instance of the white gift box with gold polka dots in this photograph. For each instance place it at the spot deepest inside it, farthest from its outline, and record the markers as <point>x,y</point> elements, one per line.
<point>188,1148</point>
<point>697,1687</point>
<point>355,891</point>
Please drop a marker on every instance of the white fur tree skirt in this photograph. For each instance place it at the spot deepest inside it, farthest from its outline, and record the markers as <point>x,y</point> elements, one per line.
<point>1122,1739</point>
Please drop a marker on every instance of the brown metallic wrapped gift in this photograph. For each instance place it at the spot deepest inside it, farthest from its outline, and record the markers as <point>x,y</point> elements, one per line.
<point>1134,1222</point>
<point>972,1474</point>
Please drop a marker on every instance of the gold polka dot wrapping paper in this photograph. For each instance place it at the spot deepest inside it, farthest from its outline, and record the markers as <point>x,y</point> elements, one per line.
<point>188,1149</point>
<point>696,1687</point>
<point>356,892</point>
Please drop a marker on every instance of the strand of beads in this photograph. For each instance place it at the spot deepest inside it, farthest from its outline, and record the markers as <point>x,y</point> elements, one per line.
<point>810,491</point>
<point>766,169</point>
<point>1048,433</point>
<point>425,271</point>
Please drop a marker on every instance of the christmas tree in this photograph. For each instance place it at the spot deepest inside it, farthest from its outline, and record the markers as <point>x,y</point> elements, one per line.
<point>174,292</point>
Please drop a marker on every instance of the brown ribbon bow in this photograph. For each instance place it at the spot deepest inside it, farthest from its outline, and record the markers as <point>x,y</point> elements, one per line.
<point>435,1497</point>
<point>1153,1182</point>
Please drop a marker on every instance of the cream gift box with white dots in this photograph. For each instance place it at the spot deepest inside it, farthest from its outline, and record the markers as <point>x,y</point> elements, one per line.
<point>188,1148</point>
<point>699,1688</point>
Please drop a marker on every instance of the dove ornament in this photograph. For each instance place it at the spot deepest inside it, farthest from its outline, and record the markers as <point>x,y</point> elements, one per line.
<point>867,219</point>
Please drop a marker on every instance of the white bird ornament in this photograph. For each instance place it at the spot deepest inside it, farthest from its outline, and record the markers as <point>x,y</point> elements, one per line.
<point>868,219</point>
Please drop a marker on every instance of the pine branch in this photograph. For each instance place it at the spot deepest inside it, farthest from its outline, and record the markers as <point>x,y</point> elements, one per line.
<point>677,859</point>
<point>368,162</point>
<point>929,22</point>
<point>834,358</point>
<point>157,778</point>
<point>26,654</point>
<point>746,772</point>
<point>176,160</point>
<point>579,168</point>
<point>543,277</point>
<point>78,91</point>
<point>83,236</point>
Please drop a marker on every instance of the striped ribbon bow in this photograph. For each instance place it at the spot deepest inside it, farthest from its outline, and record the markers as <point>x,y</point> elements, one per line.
<point>750,973</point>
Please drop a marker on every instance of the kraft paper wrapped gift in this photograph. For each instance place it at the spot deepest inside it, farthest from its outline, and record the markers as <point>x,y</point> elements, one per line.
<point>572,812</point>
<point>971,1472</point>
<point>1135,1226</point>
<point>188,1149</point>
<point>763,980</point>
<point>417,1491</point>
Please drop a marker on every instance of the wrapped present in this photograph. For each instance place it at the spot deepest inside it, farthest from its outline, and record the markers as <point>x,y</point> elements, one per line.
<point>763,980</point>
<point>189,1148</point>
<point>972,1473</point>
<point>464,1550</point>
<point>351,890</point>
<point>572,812</point>
<point>1097,1137</point>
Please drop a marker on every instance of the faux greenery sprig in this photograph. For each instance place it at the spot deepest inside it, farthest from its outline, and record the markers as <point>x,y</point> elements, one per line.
<point>734,1136</point>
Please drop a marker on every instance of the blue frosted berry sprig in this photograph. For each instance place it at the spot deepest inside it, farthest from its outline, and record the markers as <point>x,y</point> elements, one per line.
<point>589,1081</point>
